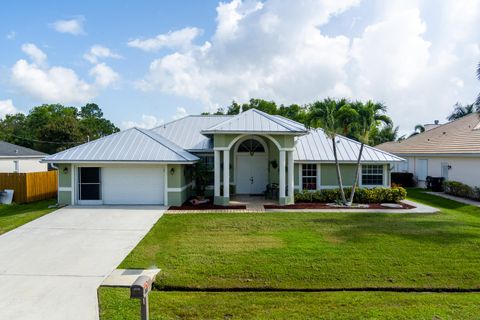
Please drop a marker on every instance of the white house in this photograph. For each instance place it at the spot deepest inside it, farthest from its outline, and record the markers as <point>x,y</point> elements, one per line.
<point>15,158</point>
<point>450,150</point>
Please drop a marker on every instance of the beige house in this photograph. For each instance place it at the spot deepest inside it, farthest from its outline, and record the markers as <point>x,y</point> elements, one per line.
<point>14,158</point>
<point>451,150</point>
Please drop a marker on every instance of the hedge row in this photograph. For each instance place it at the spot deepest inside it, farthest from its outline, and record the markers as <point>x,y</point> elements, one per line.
<point>362,195</point>
<point>459,189</point>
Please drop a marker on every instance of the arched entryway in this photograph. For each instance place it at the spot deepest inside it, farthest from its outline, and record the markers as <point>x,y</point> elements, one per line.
<point>251,165</point>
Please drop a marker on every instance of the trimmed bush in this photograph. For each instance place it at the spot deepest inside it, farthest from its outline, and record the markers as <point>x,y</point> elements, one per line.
<point>362,195</point>
<point>459,189</point>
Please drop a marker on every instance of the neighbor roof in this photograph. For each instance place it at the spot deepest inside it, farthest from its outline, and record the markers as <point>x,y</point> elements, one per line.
<point>461,136</point>
<point>316,146</point>
<point>185,132</point>
<point>256,121</point>
<point>135,145</point>
<point>10,150</point>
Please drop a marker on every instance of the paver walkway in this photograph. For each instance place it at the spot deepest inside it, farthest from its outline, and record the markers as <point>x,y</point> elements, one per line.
<point>51,267</point>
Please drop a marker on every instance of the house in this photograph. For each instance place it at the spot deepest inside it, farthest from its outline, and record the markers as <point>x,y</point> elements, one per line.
<point>247,152</point>
<point>15,158</point>
<point>450,150</point>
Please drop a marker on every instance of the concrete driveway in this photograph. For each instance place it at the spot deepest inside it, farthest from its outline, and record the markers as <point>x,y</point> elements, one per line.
<point>50,268</point>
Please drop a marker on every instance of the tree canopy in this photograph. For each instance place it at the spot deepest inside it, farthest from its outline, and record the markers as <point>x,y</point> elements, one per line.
<point>53,127</point>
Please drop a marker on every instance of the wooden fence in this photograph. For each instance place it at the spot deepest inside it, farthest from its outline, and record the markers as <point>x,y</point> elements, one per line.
<point>31,186</point>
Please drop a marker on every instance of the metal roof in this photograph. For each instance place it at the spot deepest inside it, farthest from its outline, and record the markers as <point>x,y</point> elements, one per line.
<point>316,146</point>
<point>461,136</point>
<point>185,132</point>
<point>10,150</point>
<point>256,121</point>
<point>135,145</point>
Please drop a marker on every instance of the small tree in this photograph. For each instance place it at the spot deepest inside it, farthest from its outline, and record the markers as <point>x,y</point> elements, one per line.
<point>201,176</point>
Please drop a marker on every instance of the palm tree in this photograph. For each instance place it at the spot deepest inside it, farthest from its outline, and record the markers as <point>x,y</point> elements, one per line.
<point>329,115</point>
<point>460,110</point>
<point>418,129</point>
<point>370,115</point>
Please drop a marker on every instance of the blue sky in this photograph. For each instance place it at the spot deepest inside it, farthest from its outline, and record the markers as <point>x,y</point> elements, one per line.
<point>147,62</point>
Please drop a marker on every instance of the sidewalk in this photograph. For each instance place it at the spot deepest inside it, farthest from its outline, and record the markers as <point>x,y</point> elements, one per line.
<point>455,198</point>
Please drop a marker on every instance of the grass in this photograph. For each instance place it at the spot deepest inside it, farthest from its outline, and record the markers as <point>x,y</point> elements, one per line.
<point>116,305</point>
<point>14,215</point>
<point>316,250</point>
<point>310,251</point>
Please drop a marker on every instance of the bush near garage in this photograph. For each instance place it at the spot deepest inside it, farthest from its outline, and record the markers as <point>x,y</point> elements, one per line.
<point>459,189</point>
<point>362,195</point>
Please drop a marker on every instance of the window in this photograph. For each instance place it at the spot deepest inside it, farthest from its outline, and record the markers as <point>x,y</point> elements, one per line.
<point>309,176</point>
<point>89,183</point>
<point>252,146</point>
<point>208,163</point>
<point>372,175</point>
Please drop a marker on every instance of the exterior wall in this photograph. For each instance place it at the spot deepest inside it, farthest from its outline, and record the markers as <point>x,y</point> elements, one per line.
<point>24,165</point>
<point>179,184</point>
<point>65,184</point>
<point>328,174</point>
<point>463,169</point>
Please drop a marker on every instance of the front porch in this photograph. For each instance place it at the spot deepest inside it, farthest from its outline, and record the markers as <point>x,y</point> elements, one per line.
<point>249,165</point>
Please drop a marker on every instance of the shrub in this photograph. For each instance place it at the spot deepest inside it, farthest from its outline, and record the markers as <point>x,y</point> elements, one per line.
<point>459,189</point>
<point>362,195</point>
<point>402,179</point>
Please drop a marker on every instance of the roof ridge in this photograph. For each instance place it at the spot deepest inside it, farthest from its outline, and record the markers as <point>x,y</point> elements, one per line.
<point>190,116</point>
<point>149,133</point>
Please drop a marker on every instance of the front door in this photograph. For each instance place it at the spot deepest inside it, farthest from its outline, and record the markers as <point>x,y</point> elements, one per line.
<point>252,173</point>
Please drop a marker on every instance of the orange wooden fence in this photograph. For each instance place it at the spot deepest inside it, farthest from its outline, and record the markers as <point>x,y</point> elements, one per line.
<point>31,186</point>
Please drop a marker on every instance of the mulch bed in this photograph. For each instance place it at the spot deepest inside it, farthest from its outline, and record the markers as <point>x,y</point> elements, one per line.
<point>313,205</point>
<point>205,206</point>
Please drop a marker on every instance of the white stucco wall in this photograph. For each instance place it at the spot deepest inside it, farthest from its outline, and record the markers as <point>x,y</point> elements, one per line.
<point>463,169</point>
<point>24,165</point>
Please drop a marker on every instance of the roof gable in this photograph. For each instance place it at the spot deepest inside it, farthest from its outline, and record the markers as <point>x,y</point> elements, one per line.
<point>11,150</point>
<point>136,145</point>
<point>316,146</point>
<point>456,137</point>
<point>256,121</point>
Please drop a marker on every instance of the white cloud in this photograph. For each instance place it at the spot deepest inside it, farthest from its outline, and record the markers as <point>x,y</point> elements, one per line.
<point>37,55</point>
<point>417,57</point>
<point>180,113</point>
<point>11,35</point>
<point>147,122</point>
<point>58,84</point>
<point>174,40</point>
<point>97,52</point>
<point>104,75</point>
<point>72,26</point>
<point>7,107</point>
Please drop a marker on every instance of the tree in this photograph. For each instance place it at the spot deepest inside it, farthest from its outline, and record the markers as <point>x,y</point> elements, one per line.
<point>53,127</point>
<point>418,129</point>
<point>460,110</point>
<point>383,134</point>
<point>326,114</point>
<point>369,115</point>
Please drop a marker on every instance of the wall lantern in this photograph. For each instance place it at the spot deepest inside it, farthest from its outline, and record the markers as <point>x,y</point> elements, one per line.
<point>274,164</point>
<point>65,170</point>
<point>172,171</point>
<point>449,167</point>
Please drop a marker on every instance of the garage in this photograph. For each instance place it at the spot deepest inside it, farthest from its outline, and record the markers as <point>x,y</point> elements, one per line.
<point>133,185</point>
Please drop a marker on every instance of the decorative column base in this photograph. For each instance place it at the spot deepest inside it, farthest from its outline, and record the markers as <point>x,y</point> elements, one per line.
<point>221,201</point>
<point>286,200</point>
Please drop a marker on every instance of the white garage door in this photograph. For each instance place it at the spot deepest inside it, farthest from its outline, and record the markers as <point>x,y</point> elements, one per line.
<point>133,185</point>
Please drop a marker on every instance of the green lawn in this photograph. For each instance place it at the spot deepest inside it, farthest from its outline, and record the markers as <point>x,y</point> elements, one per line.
<point>13,216</point>
<point>311,251</point>
<point>316,250</point>
<point>116,305</point>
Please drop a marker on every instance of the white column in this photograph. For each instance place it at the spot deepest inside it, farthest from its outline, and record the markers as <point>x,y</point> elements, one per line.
<point>281,183</point>
<point>226,173</point>
<point>216,168</point>
<point>290,173</point>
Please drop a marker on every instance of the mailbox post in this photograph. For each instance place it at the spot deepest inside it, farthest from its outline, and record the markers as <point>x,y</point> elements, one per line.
<point>139,290</point>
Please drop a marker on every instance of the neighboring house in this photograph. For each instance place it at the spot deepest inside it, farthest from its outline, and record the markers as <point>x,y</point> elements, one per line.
<point>15,158</point>
<point>247,152</point>
<point>450,150</point>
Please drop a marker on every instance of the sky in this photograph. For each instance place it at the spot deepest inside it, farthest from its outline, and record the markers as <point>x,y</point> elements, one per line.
<point>149,62</point>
